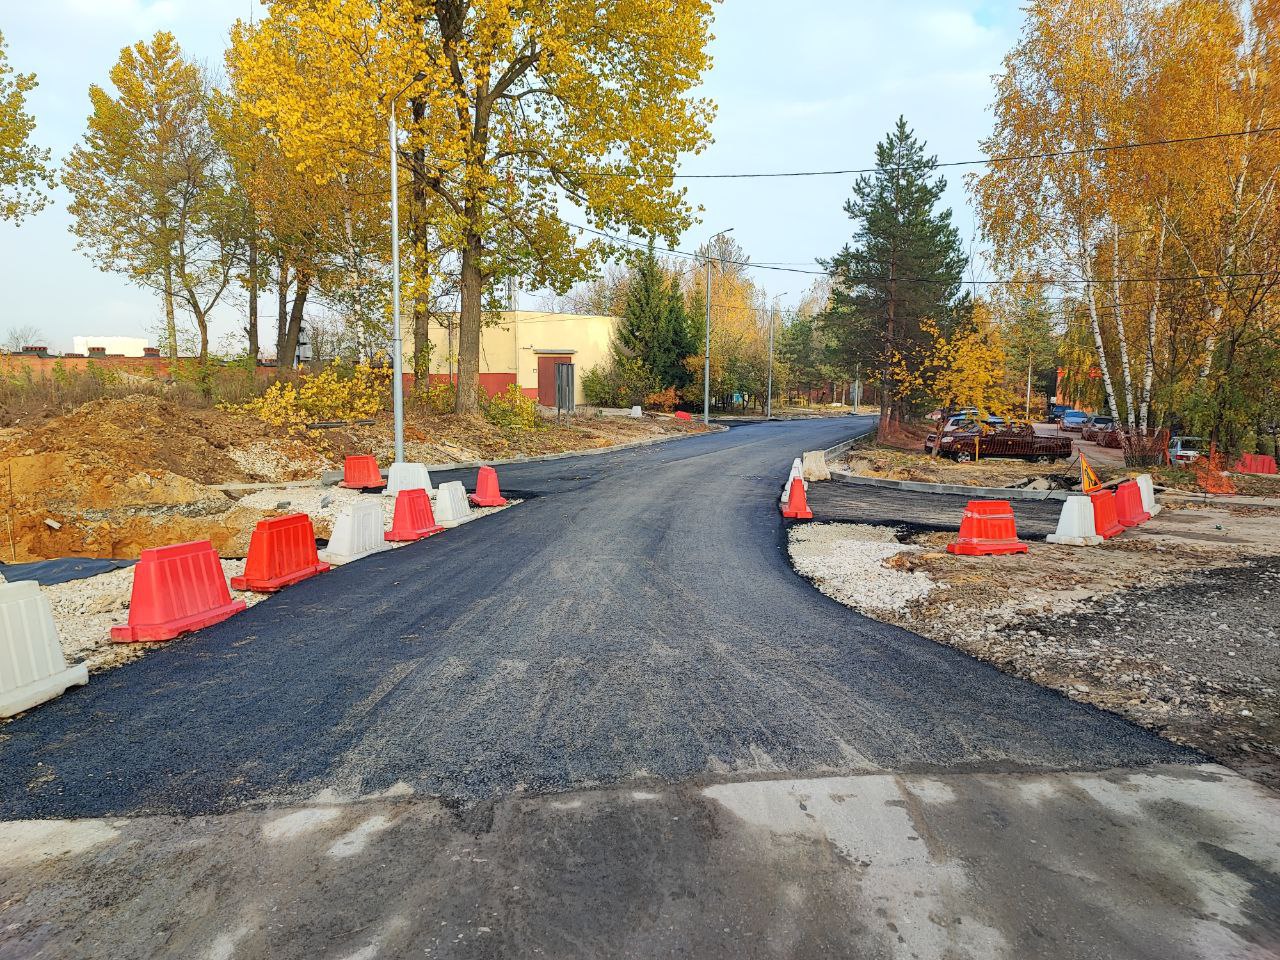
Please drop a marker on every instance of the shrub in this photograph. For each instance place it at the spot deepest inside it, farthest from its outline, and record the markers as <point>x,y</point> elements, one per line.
<point>326,395</point>
<point>664,400</point>
<point>512,409</point>
<point>624,383</point>
<point>436,396</point>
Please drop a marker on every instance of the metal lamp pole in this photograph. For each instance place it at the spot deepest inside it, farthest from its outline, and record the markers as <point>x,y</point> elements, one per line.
<point>706,356</point>
<point>397,341</point>
<point>768,401</point>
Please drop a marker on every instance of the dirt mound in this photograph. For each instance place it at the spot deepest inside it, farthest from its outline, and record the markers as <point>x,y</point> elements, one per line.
<point>143,432</point>
<point>117,475</point>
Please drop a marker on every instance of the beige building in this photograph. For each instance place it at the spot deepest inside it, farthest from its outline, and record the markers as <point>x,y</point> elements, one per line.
<point>523,347</point>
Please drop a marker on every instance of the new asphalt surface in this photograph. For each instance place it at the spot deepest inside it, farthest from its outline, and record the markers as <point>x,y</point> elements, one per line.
<point>635,617</point>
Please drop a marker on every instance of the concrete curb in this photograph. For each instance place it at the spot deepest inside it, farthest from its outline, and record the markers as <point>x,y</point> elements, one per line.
<point>919,486</point>
<point>330,477</point>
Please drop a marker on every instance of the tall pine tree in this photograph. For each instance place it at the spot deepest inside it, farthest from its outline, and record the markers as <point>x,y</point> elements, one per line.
<point>655,326</point>
<point>905,264</point>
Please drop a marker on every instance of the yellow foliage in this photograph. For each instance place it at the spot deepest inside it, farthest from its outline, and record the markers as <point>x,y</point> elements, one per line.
<point>326,395</point>
<point>965,370</point>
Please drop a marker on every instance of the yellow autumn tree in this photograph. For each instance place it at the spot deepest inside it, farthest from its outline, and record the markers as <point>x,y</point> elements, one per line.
<point>151,198</point>
<point>509,110</point>
<point>24,167</point>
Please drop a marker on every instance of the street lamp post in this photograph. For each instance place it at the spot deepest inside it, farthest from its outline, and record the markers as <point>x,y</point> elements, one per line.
<point>397,340</point>
<point>768,400</point>
<point>706,356</point>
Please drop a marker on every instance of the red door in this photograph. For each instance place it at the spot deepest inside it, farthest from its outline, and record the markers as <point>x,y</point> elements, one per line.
<point>547,377</point>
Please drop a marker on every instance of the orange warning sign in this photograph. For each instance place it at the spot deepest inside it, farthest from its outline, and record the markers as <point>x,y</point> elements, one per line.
<point>1088,479</point>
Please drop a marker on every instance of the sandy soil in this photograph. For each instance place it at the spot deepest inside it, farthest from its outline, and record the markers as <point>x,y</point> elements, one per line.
<point>1174,625</point>
<point>121,474</point>
<point>892,463</point>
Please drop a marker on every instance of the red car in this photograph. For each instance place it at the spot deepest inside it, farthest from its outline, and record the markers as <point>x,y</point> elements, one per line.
<point>969,441</point>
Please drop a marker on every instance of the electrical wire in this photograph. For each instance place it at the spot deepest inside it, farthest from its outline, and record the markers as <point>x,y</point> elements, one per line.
<point>1010,158</point>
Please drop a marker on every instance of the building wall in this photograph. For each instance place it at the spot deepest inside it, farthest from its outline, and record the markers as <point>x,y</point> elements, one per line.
<point>509,349</point>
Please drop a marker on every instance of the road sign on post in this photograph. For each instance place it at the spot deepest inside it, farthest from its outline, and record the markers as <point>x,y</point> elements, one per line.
<point>564,388</point>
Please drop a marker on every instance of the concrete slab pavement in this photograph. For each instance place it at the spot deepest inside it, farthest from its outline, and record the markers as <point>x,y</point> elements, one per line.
<point>1163,863</point>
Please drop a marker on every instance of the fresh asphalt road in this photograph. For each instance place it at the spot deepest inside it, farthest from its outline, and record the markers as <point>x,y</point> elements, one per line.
<point>635,617</point>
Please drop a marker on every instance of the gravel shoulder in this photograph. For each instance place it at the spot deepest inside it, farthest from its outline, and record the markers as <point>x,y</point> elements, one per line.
<point>1175,626</point>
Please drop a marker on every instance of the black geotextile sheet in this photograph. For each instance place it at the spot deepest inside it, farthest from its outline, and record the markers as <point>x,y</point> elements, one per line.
<point>62,570</point>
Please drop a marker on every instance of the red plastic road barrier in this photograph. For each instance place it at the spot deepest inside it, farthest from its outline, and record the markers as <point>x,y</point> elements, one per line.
<point>413,518</point>
<point>361,473</point>
<point>797,505</point>
<point>1129,510</point>
<point>487,493</point>
<point>682,415</point>
<point>282,551</point>
<point>1255,463</point>
<point>987,528</point>
<point>1105,523</point>
<point>176,589</point>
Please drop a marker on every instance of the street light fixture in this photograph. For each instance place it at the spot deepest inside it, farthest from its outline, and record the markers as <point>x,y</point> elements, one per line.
<point>768,402</point>
<point>397,341</point>
<point>706,356</point>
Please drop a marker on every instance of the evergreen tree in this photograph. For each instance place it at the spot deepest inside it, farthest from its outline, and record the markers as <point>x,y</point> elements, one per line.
<point>655,327</point>
<point>643,311</point>
<point>905,265</point>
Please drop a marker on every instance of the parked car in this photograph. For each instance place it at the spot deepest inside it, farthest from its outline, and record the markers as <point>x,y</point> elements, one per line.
<point>969,440</point>
<point>1097,426</point>
<point>967,418</point>
<point>1185,450</point>
<point>1057,411</point>
<point>1073,421</point>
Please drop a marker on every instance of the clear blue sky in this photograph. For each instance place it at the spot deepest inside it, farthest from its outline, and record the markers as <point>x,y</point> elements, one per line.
<point>812,84</point>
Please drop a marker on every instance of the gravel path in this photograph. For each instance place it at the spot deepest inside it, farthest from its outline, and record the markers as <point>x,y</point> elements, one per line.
<point>637,616</point>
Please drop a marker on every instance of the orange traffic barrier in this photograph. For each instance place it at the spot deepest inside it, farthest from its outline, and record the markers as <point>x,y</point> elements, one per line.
<point>682,415</point>
<point>361,473</point>
<point>282,551</point>
<point>797,505</point>
<point>1105,523</point>
<point>487,493</point>
<point>1129,510</point>
<point>987,528</point>
<point>176,589</point>
<point>413,518</point>
<point>1255,463</point>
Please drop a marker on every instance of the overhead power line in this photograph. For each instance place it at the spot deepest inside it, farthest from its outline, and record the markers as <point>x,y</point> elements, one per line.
<point>1011,158</point>
<point>1061,282</point>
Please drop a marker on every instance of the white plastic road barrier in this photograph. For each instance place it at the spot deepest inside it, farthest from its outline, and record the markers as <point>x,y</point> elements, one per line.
<point>356,533</point>
<point>797,472</point>
<point>1148,489</point>
<point>637,412</point>
<point>452,506</point>
<point>32,667</point>
<point>1075,524</point>
<point>407,476</point>
<point>815,467</point>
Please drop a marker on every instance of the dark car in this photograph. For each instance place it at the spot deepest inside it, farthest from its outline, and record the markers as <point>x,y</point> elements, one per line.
<point>970,441</point>
<point>1058,411</point>
<point>1097,426</point>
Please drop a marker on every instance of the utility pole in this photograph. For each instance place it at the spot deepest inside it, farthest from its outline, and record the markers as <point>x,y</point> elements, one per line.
<point>397,342</point>
<point>706,356</point>
<point>768,403</point>
<point>1028,410</point>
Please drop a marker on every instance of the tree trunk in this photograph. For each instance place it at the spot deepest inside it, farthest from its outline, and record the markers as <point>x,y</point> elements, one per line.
<point>884,377</point>
<point>170,320</point>
<point>282,311</point>
<point>294,328</point>
<point>252,328</point>
<point>469,321</point>
<point>1125,370</point>
<point>1153,312</point>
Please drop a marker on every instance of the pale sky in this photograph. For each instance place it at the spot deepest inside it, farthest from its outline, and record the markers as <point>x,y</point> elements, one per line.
<point>812,84</point>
